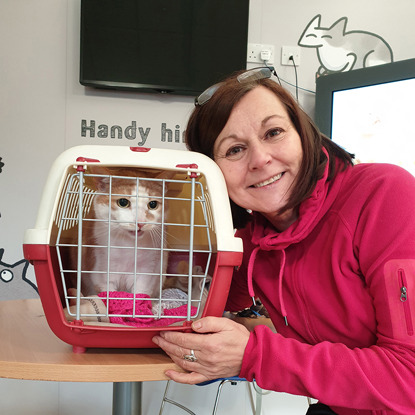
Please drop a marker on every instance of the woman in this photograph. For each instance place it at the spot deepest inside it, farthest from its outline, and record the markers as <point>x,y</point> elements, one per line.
<point>329,249</point>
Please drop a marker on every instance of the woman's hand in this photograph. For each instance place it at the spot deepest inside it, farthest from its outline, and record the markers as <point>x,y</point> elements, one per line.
<point>218,344</point>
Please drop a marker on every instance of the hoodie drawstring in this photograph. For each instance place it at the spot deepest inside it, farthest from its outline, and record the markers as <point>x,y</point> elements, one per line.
<point>250,271</point>
<point>281,297</point>
<point>280,277</point>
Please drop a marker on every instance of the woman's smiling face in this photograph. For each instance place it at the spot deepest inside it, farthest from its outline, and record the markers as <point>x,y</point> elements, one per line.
<point>259,152</point>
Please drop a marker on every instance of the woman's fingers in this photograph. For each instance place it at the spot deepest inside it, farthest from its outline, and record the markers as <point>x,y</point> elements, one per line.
<point>191,378</point>
<point>218,345</point>
<point>176,345</point>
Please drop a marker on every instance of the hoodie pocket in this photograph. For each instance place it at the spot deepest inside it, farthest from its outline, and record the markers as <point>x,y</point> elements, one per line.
<point>403,292</point>
<point>400,300</point>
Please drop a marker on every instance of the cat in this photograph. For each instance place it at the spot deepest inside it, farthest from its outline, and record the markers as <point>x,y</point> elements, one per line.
<point>136,213</point>
<point>341,51</point>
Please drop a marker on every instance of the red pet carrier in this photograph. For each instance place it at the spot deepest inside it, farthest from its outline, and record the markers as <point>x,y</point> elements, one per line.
<point>192,253</point>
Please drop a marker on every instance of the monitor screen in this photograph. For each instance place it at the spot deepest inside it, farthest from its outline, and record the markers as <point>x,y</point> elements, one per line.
<point>180,46</point>
<point>369,112</point>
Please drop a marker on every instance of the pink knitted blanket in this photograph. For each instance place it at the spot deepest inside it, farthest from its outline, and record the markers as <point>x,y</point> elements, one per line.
<point>122,303</point>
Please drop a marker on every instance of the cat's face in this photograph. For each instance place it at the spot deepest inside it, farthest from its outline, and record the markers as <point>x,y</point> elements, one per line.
<point>316,36</point>
<point>134,210</point>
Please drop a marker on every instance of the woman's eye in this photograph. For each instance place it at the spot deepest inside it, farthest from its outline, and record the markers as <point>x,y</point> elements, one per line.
<point>274,133</point>
<point>234,152</point>
<point>152,204</point>
<point>123,203</point>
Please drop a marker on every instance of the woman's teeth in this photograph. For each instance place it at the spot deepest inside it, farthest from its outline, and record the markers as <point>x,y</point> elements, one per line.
<point>269,181</point>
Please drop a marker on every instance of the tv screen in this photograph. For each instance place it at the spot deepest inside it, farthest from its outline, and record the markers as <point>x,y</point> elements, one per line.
<point>369,112</point>
<point>167,46</point>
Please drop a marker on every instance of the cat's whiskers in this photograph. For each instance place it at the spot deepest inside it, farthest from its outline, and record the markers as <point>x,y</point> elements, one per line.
<point>156,234</point>
<point>171,237</point>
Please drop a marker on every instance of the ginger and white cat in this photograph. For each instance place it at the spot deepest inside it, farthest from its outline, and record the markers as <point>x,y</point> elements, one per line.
<point>124,238</point>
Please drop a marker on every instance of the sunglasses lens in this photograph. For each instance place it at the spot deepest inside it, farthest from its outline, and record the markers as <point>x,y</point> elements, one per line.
<point>254,74</point>
<point>248,76</point>
<point>207,95</point>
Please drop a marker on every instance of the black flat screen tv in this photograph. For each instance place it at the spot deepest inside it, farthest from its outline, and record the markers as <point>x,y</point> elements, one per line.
<point>166,46</point>
<point>370,112</point>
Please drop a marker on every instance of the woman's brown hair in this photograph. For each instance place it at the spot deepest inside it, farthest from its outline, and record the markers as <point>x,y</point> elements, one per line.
<point>208,120</point>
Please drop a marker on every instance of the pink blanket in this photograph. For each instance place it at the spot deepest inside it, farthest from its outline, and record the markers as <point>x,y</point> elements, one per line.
<point>122,303</point>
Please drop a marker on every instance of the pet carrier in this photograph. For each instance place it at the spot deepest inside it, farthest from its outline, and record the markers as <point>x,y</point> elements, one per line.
<point>130,241</point>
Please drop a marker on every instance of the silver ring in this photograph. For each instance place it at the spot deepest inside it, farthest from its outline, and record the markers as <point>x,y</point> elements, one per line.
<point>190,357</point>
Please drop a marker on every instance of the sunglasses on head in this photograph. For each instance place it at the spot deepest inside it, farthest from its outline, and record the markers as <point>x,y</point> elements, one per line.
<point>248,76</point>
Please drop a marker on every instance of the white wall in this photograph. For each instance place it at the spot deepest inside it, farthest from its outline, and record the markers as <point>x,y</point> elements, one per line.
<point>41,108</point>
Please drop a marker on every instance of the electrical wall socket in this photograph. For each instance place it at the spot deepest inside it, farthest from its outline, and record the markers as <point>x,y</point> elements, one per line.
<point>286,52</point>
<point>254,53</point>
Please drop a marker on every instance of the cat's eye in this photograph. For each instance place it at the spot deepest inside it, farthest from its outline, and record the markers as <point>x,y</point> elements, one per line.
<point>6,275</point>
<point>123,203</point>
<point>153,204</point>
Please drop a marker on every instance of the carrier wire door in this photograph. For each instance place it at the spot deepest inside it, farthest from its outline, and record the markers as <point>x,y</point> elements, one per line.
<point>74,213</point>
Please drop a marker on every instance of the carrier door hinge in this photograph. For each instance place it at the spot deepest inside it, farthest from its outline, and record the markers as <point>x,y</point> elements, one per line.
<point>85,160</point>
<point>193,166</point>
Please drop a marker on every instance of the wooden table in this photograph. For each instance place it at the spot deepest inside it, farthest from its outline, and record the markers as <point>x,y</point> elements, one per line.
<point>29,350</point>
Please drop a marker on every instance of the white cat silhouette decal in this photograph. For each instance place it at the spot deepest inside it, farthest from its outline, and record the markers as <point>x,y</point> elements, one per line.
<point>341,51</point>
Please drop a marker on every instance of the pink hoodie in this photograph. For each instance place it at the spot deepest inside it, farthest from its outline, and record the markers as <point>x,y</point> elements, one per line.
<point>343,275</point>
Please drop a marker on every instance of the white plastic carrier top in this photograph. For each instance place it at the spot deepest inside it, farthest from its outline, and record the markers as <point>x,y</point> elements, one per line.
<point>180,161</point>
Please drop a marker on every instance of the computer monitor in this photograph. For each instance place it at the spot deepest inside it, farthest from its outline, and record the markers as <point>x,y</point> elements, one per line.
<point>370,112</point>
<point>162,46</point>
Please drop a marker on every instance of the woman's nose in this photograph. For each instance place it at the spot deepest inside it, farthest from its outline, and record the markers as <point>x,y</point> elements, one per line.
<point>259,156</point>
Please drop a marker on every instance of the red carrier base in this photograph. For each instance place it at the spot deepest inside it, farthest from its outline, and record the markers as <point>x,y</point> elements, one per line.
<point>82,336</point>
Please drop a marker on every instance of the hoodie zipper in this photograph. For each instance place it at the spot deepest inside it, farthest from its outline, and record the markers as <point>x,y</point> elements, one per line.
<point>405,303</point>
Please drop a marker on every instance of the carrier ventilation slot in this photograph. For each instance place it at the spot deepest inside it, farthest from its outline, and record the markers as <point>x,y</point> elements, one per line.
<point>68,205</point>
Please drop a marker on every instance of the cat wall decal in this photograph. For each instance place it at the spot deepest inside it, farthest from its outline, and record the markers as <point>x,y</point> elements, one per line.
<point>339,50</point>
<point>14,283</point>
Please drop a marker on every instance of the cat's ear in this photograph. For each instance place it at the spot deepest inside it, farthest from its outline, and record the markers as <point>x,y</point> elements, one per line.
<point>173,189</point>
<point>339,25</point>
<point>100,175</point>
<point>166,174</point>
<point>97,178</point>
<point>310,32</point>
<point>315,23</point>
